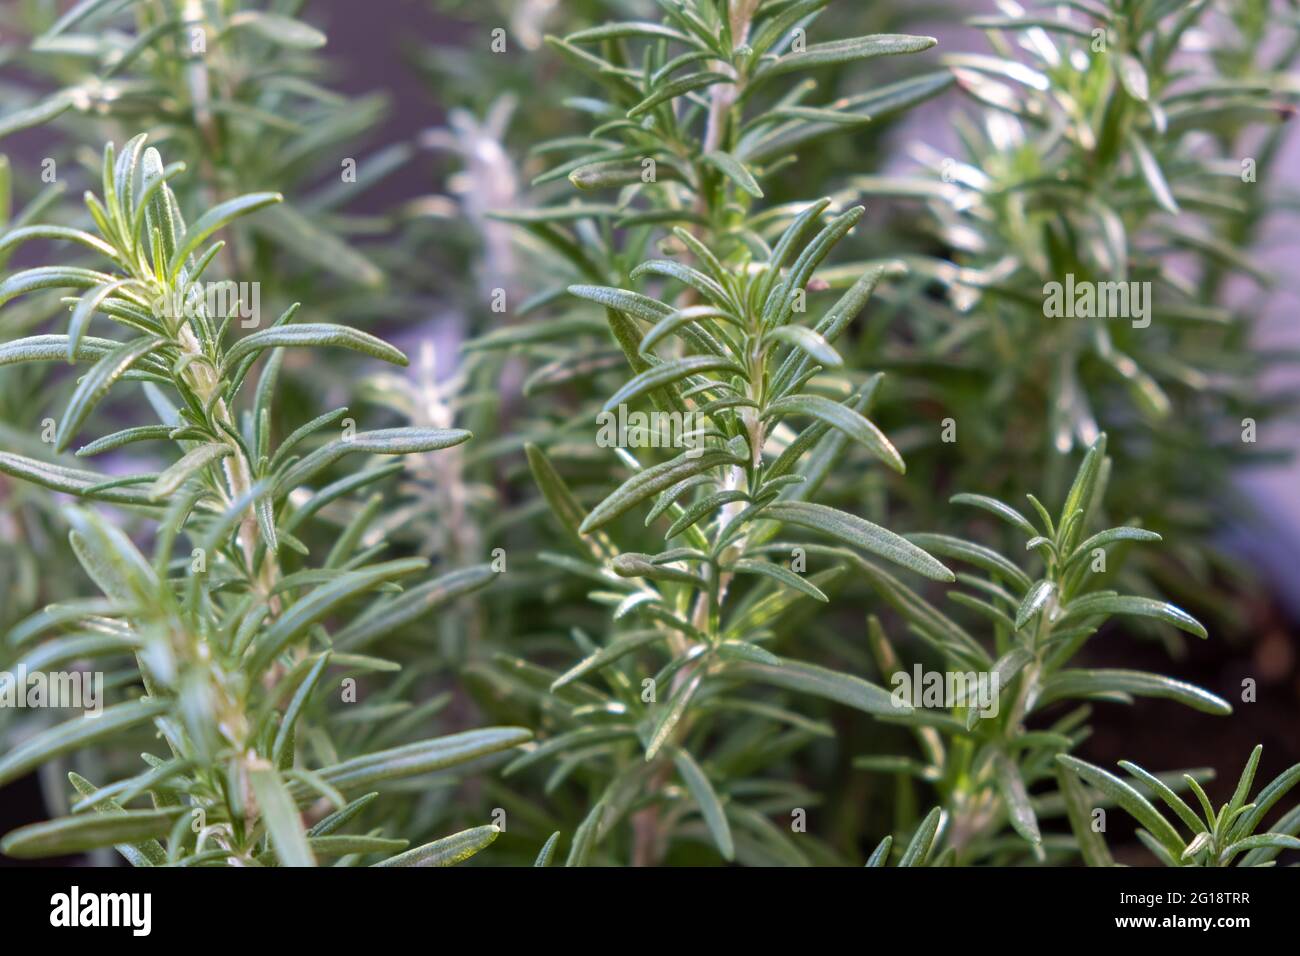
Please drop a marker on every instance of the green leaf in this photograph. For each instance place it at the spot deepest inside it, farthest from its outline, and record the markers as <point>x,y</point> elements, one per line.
<point>1172,800</point>
<point>681,319</point>
<point>1094,604</point>
<point>665,373</point>
<point>820,682</point>
<point>88,305</point>
<point>706,798</point>
<point>629,28</point>
<point>779,573</point>
<point>649,482</point>
<point>993,506</point>
<point>563,506</point>
<point>547,852</point>
<point>859,533</point>
<point>1128,798</point>
<point>384,441</point>
<point>1086,683</point>
<point>50,277</point>
<point>671,713</point>
<point>284,733</point>
<point>584,839</point>
<point>1034,601</point>
<point>1154,175</point>
<point>73,481</point>
<point>449,850</point>
<point>55,348</point>
<point>280,30</point>
<point>843,418</point>
<point>1278,841</point>
<point>806,340</point>
<point>77,834</point>
<point>318,335</point>
<point>283,822</point>
<point>347,845</point>
<point>1270,795</point>
<point>688,276</point>
<point>918,849</point>
<point>1246,780</point>
<point>77,733</point>
<point>1133,76</point>
<point>142,853</point>
<point>1081,490</point>
<point>1092,845</point>
<point>414,603</point>
<point>15,237</point>
<point>880,855</point>
<point>976,554</point>
<point>734,170</point>
<point>418,758</point>
<point>1110,536</point>
<point>634,304</point>
<point>845,51</point>
<point>620,647</point>
<point>192,463</point>
<point>324,600</point>
<point>1012,787</point>
<point>96,383</point>
<point>37,114</point>
<point>216,218</point>
<point>678,87</point>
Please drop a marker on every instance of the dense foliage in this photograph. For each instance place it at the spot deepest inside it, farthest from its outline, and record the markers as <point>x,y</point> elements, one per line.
<point>773,508</point>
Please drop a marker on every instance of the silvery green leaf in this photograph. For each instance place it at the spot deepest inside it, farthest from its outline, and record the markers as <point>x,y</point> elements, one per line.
<point>449,850</point>
<point>1086,683</point>
<point>845,51</point>
<point>676,88</point>
<point>75,734</point>
<point>706,798</point>
<point>96,383</point>
<point>280,30</point>
<point>918,849</point>
<point>734,170</point>
<point>1128,798</point>
<point>216,218</point>
<point>37,114</point>
<point>1093,604</point>
<point>283,822</point>
<point>1012,787</point>
<point>859,533</point>
<point>649,482</point>
<point>1035,599</point>
<point>316,334</point>
<point>193,462</point>
<point>423,757</point>
<point>821,682</point>
<point>69,835</point>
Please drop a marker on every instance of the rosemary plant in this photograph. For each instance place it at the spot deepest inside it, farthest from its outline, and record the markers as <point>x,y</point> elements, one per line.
<point>711,397</point>
<point>983,757</point>
<point>1105,144</point>
<point>1217,838</point>
<point>693,131</point>
<point>222,635</point>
